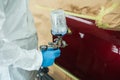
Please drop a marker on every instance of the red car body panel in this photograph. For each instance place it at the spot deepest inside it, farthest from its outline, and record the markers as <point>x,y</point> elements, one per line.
<point>92,53</point>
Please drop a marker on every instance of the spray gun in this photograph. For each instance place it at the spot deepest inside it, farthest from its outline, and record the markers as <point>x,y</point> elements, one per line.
<point>59,29</point>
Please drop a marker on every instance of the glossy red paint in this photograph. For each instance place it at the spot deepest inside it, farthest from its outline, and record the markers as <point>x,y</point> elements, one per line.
<point>92,53</point>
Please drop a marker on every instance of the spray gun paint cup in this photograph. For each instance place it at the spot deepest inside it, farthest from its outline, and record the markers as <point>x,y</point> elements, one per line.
<point>59,27</point>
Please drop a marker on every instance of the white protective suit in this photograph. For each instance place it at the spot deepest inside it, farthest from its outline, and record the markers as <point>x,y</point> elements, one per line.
<point>19,57</point>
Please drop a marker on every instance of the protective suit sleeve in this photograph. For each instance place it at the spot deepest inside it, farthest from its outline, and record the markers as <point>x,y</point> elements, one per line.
<point>12,54</point>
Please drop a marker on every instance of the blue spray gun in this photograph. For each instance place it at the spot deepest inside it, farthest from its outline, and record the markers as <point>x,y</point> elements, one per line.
<point>59,29</point>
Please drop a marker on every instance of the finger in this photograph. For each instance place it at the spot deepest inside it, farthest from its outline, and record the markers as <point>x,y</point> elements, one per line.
<point>57,53</point>
<point>51,48</point>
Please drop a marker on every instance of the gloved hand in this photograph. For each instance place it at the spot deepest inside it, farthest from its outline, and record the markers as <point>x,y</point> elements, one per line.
<point>49,56</point>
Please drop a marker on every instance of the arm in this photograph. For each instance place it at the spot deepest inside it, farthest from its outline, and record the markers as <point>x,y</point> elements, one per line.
<point>12,54</point>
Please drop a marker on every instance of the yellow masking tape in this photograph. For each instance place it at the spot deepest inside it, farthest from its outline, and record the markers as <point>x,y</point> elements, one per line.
<point>70,13</point>
<point>97,18</point>
<point>82,16</point>
<point>102,13</point>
